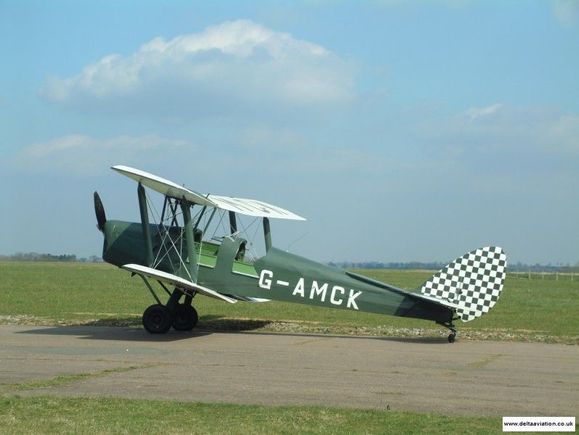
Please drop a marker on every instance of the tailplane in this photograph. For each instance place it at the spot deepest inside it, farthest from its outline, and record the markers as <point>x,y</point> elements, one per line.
<point>472,283</point>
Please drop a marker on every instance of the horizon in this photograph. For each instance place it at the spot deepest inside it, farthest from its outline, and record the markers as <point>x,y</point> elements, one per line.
<point>363,264</point>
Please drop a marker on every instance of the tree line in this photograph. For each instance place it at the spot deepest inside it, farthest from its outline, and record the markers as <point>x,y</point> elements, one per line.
<point>415,265</point>
<point>36,256</point>
<point>411,265</point>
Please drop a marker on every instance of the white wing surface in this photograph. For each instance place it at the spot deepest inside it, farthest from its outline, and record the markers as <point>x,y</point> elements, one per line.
<point>249,207</point>
<point>252,207</point>
<point>162,185</point>
<point>176,281</point>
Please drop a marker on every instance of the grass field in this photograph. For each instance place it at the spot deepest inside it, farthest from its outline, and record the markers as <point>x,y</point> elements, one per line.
<point>79,416</point>
<point>72,294</point>
<point>79,293</point>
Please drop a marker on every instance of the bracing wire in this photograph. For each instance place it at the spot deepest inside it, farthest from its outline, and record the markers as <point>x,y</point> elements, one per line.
<point>172,241</point>
<point>167,236</point>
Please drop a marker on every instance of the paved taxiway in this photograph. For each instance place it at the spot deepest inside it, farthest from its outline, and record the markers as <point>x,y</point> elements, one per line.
<point>426,375</point>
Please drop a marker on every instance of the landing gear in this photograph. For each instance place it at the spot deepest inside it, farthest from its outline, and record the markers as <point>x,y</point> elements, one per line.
<point>157,319</point>
<point>450,325</point>
<point>185,317</point>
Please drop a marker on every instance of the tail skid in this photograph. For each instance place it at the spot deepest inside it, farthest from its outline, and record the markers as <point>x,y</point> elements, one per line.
<point>472,283</point>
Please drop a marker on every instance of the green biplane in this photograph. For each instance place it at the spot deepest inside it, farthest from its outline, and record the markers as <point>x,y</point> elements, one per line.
<point>198,245</point>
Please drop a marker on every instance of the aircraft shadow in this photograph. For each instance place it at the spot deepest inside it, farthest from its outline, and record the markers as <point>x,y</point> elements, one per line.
<point>216,324</point>
<point>131,329</point>
<point>124,333</point>
<point>118,333</point>
<point>423,340</point>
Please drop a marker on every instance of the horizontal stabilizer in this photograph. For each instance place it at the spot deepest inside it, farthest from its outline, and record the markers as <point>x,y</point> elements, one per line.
<point>444,303</point>
<point>176,281</point>
<point>400,291</point>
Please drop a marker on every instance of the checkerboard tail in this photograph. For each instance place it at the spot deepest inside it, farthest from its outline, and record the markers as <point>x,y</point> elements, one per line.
<point>473,282</point>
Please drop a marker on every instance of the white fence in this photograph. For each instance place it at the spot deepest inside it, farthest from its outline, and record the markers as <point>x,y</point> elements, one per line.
<point>553,276</point>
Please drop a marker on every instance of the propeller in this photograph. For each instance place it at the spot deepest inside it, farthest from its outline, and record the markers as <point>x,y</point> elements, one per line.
<point>100,212</point>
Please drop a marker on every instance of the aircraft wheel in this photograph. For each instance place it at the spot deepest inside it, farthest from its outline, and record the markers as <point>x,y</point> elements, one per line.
<point>186,317</point>
<point>157,319</point>
<point>451,337</point>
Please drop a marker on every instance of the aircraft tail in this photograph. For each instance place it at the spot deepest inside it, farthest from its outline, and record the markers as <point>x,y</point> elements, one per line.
<point>472,283</point>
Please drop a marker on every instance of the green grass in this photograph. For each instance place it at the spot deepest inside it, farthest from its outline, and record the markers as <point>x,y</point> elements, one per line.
<point>76,293</point>
<point>78,416</point>
<point>61,293</point>
<point>68,379</point>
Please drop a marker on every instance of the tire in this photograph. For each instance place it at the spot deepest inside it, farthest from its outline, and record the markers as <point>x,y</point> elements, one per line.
<point>185,318</point>
<point>157,319</point>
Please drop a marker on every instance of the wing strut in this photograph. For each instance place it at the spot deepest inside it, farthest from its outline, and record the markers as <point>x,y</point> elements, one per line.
<point>267,234</point>
<point>145,225</point>
<point>191,261</point>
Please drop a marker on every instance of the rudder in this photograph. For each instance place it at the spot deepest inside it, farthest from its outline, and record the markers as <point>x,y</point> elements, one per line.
<point>473,282</point>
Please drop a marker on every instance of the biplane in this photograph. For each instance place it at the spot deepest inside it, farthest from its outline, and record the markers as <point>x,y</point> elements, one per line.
<point>198,245</point>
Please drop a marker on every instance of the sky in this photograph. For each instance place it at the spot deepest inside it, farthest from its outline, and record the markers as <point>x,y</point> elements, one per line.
<point>402,130</point>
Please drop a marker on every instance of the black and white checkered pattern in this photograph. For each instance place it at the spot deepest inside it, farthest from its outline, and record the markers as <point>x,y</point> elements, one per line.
<point>473,282</point>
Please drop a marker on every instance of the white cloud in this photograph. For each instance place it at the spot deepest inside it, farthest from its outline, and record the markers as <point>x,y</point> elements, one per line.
<point>566,11</point>
<point>81,154</point>
<point>504,130</point>
<point>232,66</point>
<point>479,112</point>
<point>564,133</point>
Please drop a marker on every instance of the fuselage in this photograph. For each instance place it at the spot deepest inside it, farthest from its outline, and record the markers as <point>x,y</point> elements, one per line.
<point>278,275</point>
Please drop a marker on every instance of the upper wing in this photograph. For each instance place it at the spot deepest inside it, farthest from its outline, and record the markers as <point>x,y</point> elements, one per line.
<point>176,281</point>
<point>250,207</point>
<point>162,185</point>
